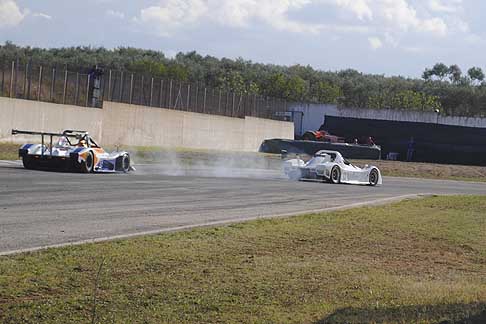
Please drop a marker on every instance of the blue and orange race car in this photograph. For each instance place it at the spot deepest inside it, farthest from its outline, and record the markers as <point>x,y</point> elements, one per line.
<point>71,150</point>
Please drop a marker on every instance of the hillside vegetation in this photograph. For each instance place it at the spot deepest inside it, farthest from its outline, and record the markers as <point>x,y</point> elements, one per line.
<point>444,88</point>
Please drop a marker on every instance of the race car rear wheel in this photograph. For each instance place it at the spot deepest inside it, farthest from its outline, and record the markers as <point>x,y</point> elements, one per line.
<point>27,162</point>
<point>335,175</point>
<point>88,164</point>
<point>374,177</point>
<point>125,163</point>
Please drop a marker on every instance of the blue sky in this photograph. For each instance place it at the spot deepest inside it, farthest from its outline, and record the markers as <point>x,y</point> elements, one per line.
<point>392,37</point>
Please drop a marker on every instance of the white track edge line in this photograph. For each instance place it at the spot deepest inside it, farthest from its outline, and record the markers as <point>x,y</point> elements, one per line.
<point>376,202</point>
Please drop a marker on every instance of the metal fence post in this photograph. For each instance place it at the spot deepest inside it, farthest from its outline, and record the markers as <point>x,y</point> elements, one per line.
<point>109,86</point>
<point>170,94</point>
<point>39,91</point>
<point>195,102</point>
<point>142,94</point>
<point>219,102</point>
<point>53,84</point>
<point>131,89</point>
<point>64,91</point>
<point>17,64</point>
<point>3,79</point>
<point>12,78</point>
<point>29,87</point>
<point>65,87</point>
<point>76,94</point>
<point>161,90</point>
<point>188,96</point>
<point>24,88</point>
<point>151,91</point>
<point>122,82</point>
<point>254,110</point>
<point>179,96</point>
<point>204,104</point>
<point>88,79</point>
<point>226,103</point>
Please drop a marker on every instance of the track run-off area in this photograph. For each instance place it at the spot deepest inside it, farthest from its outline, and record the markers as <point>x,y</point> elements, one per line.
<point>40,209</point>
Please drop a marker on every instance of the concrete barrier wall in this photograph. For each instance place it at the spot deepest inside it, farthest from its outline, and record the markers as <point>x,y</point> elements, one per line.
<point>42,116</point>
<point>122,124</point>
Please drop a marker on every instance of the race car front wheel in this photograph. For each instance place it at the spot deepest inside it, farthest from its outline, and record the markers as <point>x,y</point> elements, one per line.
<point>88,164</point>
<point>335,175</point>
<point>374,177</point>
<point>126,163</point>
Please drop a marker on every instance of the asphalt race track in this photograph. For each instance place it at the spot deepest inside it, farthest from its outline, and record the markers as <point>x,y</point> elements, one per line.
<point>39,208</point>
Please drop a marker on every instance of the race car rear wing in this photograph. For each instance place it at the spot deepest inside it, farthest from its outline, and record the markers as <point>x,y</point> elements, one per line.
<point>66,133</point>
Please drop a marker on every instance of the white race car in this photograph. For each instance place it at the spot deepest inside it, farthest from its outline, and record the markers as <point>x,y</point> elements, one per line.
<point>331,166</point>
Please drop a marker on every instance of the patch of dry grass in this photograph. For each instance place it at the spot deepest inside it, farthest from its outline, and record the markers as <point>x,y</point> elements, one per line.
<point>9,151</point>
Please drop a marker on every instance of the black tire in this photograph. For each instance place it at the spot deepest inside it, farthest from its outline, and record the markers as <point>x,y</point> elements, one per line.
<point>335,176</point>
<point>125,163</point>
<point>374,177</point>
<point>28,162</point>
<point>87,166</point>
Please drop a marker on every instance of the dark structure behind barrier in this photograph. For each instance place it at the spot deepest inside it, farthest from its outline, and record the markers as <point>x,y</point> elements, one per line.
<point>349,151</point>
<point>432,142</point>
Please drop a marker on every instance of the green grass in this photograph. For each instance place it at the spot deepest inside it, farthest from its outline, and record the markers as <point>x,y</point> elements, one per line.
<point>418,261</point>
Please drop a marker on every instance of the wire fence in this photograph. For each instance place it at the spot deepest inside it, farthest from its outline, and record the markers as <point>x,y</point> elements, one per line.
<point>90,89</point>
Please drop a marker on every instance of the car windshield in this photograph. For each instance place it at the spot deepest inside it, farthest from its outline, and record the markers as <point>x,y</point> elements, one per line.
<point>63,142</point>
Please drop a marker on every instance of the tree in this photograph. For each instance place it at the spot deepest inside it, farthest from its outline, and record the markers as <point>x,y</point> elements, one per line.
<point>455,73</point>
<point>155,69</point>
<point>326,92</point>
<point>476,74</point>
<point>448,87</point>
<point>295,89</point>
<point>427,75</point>
<point>440,70</point>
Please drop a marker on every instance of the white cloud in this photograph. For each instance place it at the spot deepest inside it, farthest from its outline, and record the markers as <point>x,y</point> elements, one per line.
<point>115,14</point>
<point>375,43</point>
<point>242,13</point>
<point>401,14</point>
<point>171,15</point>
<point>360,8</point>
<point>42,15</point>
<point>10,14</point>
<point>448,6</point>
<point>391,40</point>
<point>385,17</point>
